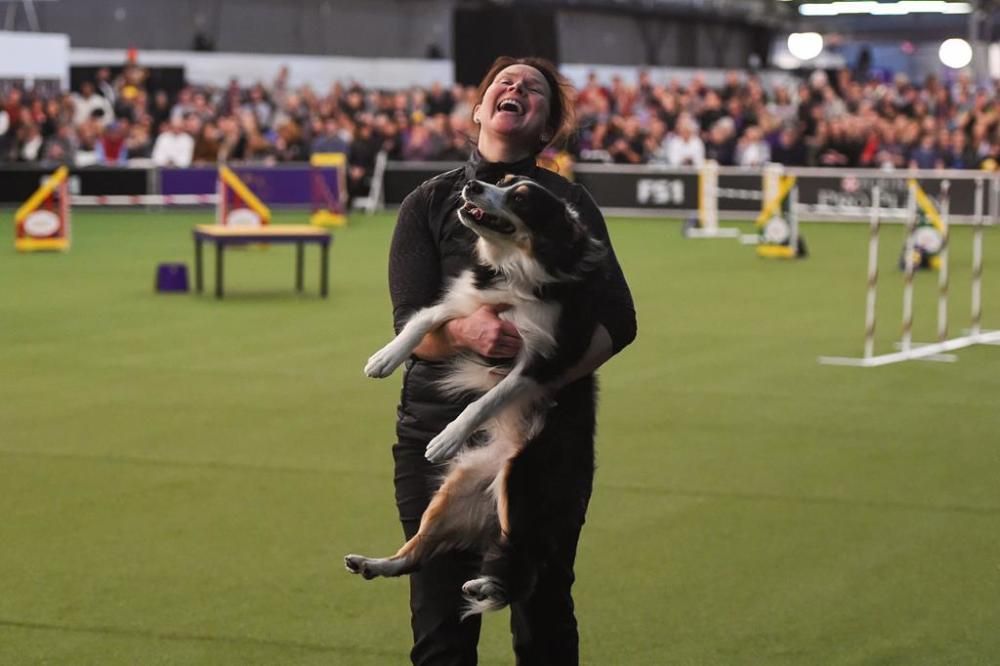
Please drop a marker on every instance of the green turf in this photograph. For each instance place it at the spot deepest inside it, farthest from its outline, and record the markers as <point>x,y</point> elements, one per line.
<point>179,477</point>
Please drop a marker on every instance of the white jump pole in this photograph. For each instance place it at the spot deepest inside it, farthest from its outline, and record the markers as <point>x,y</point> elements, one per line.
<point>708,195</point>
<point>872,295</point>
<point>793,218</point>
<point>708,205</point>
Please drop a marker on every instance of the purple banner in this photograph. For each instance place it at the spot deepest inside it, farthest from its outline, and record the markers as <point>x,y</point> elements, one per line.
<point>275,186</point>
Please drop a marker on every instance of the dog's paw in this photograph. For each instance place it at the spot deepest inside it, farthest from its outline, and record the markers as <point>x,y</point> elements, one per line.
<point>483,595</point>
<point>446,444</point>
<point>486,588</point>
<point>359,564</point>
<point>383,362</point>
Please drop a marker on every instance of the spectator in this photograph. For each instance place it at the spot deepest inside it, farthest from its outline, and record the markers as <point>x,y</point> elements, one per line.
<point>160,109</point>
<point>420,144</point>
<point>259,105</point>
<point>29,142</point>
<point>111,148</point>
<point>60,148</point>
<point>751,149</point>
<point>960,155</point>
<point>925,155</point>
<point>329,139</point>
<point>104,85</point>
<point>206,145</point>
<point>628,147</point>
<point>88,103</point>
<point>685,148</point>
<point>138,143</point>
<point>721,143</point>
<point>439,100</point>
<point>174,147</point>
<point>88,134</point>
<point>289,145</point>
<point>789,149</point>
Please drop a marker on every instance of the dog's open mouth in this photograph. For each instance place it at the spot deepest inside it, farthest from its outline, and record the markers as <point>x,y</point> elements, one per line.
<point>484,219</point>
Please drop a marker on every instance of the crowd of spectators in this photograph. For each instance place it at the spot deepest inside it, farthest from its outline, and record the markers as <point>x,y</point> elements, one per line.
<point>838,119</point>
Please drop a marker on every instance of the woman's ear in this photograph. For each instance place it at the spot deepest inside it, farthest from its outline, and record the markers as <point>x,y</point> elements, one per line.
<point>475,113</point>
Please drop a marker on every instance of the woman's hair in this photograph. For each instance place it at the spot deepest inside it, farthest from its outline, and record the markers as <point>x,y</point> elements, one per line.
<point>561,122</point>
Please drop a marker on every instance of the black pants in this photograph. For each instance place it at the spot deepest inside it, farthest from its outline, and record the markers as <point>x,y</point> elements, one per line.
<point>543,626</point>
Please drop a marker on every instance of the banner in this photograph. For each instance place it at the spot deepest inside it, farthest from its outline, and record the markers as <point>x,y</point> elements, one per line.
<point>329,189</point>
<point>42,222</point>
<point>238,205</point>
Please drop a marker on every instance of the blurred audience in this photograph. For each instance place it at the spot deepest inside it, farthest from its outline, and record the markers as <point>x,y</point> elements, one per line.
<point>829,119</point>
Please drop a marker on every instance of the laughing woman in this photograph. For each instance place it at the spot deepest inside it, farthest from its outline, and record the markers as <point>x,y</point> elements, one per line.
<point>524,105</point>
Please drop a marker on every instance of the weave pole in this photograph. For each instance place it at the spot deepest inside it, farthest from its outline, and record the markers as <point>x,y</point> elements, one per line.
<point>872,295</point>
<point>935,351</point>
<point>906,340</point>
<point>942,329</point>
<point>975,326</point>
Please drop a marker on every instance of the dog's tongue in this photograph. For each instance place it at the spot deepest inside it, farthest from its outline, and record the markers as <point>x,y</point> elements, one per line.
<point>477,213</point>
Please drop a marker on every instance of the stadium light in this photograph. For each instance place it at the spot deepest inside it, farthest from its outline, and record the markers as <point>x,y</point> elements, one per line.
<point>805,45</point>
<point>955,53</point>
<point>899,8</point>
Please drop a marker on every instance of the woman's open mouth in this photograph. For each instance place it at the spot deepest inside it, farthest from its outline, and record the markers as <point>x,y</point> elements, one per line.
<point>510,106</point>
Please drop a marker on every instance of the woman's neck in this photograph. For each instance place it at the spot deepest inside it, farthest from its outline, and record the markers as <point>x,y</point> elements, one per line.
<point>497,151</point>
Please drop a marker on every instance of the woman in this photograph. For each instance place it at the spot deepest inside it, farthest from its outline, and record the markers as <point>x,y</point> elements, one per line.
<point>429,246</point>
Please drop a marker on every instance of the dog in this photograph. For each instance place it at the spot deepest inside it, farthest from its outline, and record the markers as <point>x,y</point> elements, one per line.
<point>504,496</point>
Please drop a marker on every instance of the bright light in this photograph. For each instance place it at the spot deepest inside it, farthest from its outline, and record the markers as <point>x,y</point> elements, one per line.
<point>805,45</point>
<point>955,53</point>
<point>899,8</point>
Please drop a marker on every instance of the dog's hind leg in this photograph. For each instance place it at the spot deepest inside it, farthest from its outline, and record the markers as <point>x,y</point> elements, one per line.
<point>459,514</point>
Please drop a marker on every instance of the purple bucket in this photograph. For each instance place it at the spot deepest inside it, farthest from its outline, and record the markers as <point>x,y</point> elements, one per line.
<point>172,278</point>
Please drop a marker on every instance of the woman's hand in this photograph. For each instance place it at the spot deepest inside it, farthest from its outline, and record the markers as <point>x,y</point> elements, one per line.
<point>485,333</point>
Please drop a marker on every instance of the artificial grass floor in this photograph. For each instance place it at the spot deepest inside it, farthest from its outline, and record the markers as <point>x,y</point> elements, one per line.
<point>179,476</point>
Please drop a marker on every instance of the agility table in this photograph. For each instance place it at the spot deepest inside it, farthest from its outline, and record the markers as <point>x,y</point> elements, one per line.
<point>224,236</point>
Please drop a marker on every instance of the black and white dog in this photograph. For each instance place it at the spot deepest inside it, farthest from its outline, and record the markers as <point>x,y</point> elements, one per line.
<point>504,497</point>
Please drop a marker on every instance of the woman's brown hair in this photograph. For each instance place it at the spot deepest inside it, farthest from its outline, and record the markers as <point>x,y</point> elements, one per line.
<point>561,122</point>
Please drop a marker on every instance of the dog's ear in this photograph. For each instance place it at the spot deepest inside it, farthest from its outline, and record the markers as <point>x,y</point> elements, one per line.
<point>566,248</point>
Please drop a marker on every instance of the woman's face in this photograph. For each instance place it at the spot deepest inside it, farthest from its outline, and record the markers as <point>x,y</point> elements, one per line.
<point>515,106</point>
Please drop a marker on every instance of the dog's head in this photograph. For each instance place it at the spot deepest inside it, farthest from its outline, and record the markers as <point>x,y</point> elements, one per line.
<point>519,220</point>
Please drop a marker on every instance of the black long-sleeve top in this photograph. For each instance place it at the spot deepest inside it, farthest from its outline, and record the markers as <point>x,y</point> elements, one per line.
<point>430,246</point>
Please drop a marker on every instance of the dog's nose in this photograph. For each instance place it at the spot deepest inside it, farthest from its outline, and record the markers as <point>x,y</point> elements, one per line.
<point>474,187</point>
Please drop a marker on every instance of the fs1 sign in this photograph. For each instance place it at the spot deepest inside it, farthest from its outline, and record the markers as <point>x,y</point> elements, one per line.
<point>659,191</point>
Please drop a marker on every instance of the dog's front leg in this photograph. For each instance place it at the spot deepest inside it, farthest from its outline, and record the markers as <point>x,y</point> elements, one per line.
<point>514,386</point>
<point>385,360</point>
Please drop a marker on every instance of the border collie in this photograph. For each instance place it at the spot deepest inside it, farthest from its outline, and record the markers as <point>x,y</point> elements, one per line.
<point>502,497</point>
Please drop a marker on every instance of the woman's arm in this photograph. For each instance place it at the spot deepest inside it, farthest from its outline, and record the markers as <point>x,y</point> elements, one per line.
<point>611,294</point>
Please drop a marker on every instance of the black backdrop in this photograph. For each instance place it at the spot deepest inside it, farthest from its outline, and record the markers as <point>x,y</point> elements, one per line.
<point>481,34</point>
